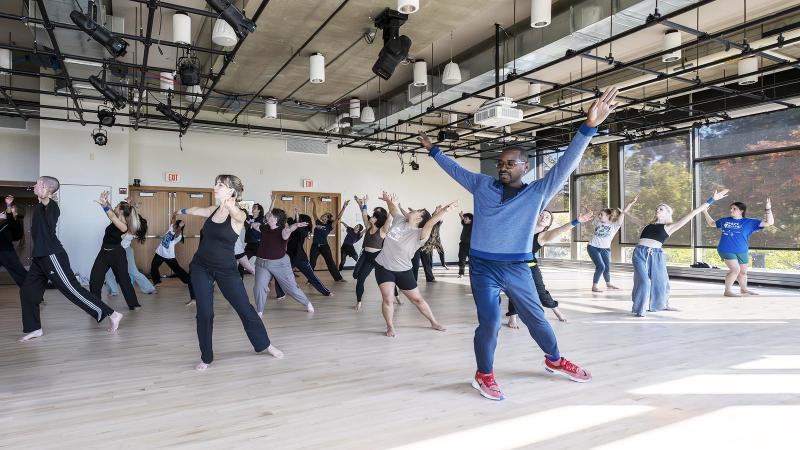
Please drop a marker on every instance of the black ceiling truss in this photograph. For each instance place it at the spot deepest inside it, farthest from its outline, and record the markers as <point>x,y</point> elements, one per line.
<point>152,5</point>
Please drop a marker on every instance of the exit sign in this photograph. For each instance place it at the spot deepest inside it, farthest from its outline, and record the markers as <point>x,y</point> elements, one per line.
<point>308,183</point>
<point>172,177</point>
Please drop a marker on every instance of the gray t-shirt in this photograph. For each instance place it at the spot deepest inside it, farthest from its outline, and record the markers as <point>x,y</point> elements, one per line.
<point>400,245</point>
<point>603,233</point>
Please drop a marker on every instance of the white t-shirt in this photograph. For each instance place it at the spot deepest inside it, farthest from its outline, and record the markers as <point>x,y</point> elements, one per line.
<point>400,245</point>
<point>603,233</point>
<point>127,238</point>
<point>166,249</point>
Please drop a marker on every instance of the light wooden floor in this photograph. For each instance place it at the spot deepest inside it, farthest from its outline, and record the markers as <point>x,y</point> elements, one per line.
<point>693,379</point>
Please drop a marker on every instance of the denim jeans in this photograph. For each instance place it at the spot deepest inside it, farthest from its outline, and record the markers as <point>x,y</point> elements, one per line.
<point>488,278</point>
<point>136,277</point>
<point>650,280</point>
<point>601,257</point>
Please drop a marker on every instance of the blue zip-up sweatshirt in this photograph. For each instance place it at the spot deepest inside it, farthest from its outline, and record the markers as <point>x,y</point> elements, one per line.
<point>503,230</point>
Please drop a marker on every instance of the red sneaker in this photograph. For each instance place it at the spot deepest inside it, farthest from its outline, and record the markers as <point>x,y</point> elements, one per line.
<point>485,384</point>
<point>568,369</point>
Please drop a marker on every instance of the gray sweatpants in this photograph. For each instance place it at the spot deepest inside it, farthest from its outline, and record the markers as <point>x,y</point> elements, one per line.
<point>281,270</point>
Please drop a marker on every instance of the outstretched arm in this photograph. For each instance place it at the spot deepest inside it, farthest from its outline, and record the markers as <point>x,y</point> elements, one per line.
<point>709,220</point>
<point>314,209</point>
<point>437,217</point>
<point>552,235</point>
<point>362,206</point>
<point>204,211</point>
<point>109,212</point>
<point>391,204</point>
<point>469,180</point>
<point>673,227</point>
<point>287,231</point>
<point>341,212</point>
<point>770,219</point>
<point>622,212</point>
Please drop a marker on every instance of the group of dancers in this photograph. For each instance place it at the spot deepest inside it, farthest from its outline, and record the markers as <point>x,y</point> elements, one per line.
<point>500,239</point>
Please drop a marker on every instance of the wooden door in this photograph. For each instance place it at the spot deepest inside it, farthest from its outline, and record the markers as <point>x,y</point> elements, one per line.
<point>326,202</point>
<point>154,205</point>
<point>188,199</point>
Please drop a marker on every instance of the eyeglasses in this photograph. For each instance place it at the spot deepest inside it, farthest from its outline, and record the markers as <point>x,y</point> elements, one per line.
<point>509,164</point>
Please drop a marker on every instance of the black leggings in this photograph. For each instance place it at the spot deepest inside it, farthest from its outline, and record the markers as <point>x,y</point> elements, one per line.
<point>364,266</point>
<point>325,251</point>
<point>10,260</point>
<point>232,288</point>
<point>115,259</point>
<point>463,255</point>
<point>172,263</point>
<point>544,295</point>
<point>427,265</point>
<point>348,250</point>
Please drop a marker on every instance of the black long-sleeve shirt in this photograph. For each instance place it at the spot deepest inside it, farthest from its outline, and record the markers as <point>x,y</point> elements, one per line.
<point>10,231</point>
<point>43,230</point>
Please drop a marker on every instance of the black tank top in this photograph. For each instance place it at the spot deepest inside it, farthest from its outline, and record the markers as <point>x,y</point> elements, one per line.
<point>373,240</point>
<point>112,236</point>
<point>216,244</point>
<point>655,231</point>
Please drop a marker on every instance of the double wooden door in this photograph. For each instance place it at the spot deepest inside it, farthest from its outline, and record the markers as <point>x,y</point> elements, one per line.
<point>326,203</point>
<point>156,204</point>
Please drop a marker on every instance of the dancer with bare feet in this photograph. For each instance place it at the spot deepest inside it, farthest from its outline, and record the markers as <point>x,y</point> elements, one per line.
<point>543,235</point>
<point>506,210</point>
<point>50,262</point>
<point>214,262</point>
<point>410,229</point>
<point>734,243</point>
<point>650,277</point>
<point>377,227</point>
<point>606,225</point>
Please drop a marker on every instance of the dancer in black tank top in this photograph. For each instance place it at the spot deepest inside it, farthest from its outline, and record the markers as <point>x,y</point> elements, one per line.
<point>214,261</point>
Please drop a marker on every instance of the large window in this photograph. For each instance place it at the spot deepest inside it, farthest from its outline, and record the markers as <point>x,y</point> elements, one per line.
<point>559,206</point>
<point>658,171</point>
<point>779,129</point>
<point>591,186</point>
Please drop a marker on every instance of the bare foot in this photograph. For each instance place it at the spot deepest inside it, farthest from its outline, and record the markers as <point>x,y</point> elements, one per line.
<point>512,322</point>
<point>731,294</point>
<point>358,306</point>
<point>201,367</point>
<point>670,308</point>
<point>189,303</point>
<point>330,294</point>
<point>596,289</point>
<point>612,286</point>
<point>438,327</point>
<point>748,292</point>
<point>272,350</point>
<point>31,335</point>
<point>389,332</point>
<point>310,307</point>
<point>115,320</point>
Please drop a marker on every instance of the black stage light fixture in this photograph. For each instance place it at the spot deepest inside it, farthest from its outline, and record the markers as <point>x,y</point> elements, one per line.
<point>189,70</point>
<point>414,165</point>
<point>106,116</point>
<point>169,113</point>
<point>114,45</point>
<point>227,11</point>
<point>395,47</point>
<point>100,136</point>
<point>111,95</point>
<point>448,135</point>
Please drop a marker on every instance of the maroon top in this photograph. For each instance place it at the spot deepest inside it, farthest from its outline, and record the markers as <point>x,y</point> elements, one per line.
<point>272,245</point>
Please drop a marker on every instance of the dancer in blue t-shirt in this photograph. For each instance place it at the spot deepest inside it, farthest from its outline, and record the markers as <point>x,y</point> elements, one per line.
<point>734,243</point>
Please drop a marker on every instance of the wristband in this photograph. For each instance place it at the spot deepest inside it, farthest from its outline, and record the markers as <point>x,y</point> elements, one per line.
<point>710,200</point>
<point>575,222</point>
<point>106,209</point>
<point>183,210</point>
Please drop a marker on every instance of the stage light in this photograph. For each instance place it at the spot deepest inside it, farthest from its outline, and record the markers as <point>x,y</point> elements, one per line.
<point>114,45</point>
<point>110,94</point>
<point>189,70</point>
<point>395,47</point>
<point>170,114</point>
<point>227,11</point>
<point>106,116</point>
<point>100,136</point>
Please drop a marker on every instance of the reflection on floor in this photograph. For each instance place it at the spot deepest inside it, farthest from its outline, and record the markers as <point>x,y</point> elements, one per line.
<point>720,373</point>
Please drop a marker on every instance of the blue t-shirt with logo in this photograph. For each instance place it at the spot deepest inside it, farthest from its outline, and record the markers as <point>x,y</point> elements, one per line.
<point>736,233</point>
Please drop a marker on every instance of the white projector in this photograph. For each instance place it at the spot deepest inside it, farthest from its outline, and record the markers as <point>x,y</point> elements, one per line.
<point>498,113</point>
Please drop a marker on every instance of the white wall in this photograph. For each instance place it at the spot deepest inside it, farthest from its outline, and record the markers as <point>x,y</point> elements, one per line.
<point>19,153</point>
<point>264,165</point>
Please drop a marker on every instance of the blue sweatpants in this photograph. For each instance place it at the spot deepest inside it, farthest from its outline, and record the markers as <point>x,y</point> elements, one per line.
<point>650,280</point>
<point>488,278</point>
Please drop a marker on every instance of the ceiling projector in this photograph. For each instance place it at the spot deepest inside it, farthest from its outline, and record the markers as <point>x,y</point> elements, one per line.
<point>498,113</point>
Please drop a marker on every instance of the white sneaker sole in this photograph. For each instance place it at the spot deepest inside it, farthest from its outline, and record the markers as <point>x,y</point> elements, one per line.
<point>557,372</point>
<point>484,394</point>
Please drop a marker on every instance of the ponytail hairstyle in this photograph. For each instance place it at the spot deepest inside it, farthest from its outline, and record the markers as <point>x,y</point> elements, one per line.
<point>180,225</point>
<point>741,206</point>
<point>142,231</point>
<point>132,220</point>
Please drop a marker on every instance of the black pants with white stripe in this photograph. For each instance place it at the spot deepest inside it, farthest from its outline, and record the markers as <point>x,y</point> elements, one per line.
<point>56,269</point>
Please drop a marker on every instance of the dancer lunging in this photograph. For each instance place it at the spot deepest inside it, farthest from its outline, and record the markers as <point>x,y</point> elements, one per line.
<point>506,211</point>
<point>650,278</point>
<point>273,262</point>
<point>606,225</point>
<point>353,235</point>
<point>124,219</point>
<point>298,256</point>
<point>137,277</point>
<point>543,235</point>
<point>377,227</point>
<point>734,243</point>
<point>10,232</point>
<point>214,262</point>
<point>50,262</point>
<point>410,229</point>
<point>319,246</point>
